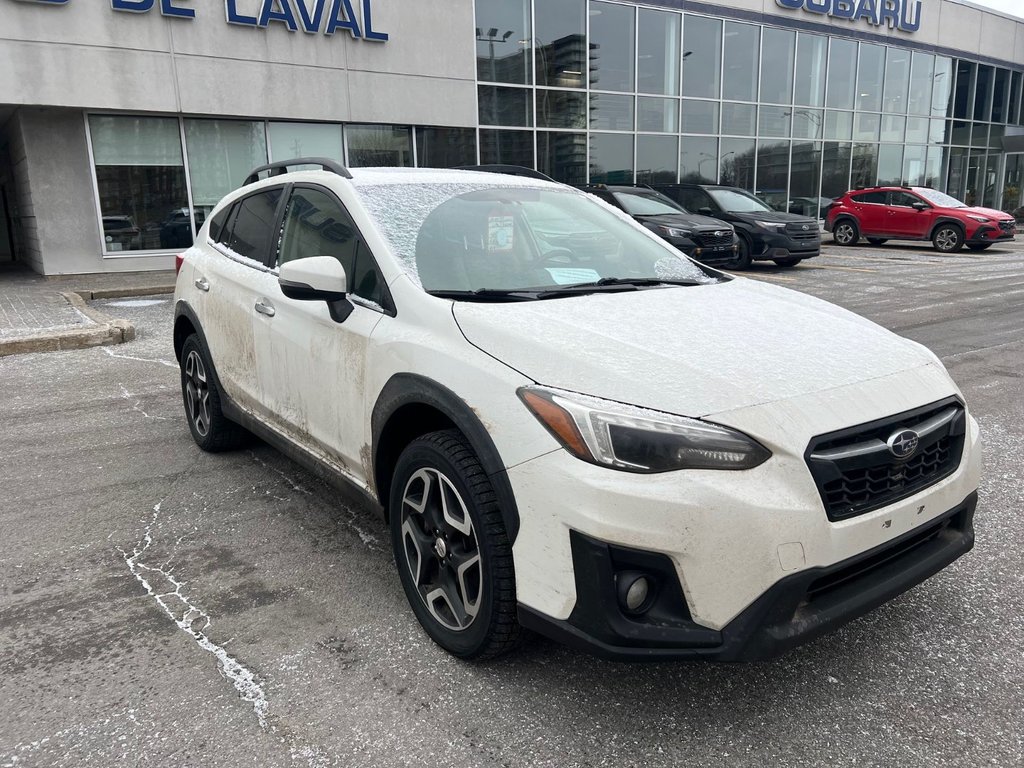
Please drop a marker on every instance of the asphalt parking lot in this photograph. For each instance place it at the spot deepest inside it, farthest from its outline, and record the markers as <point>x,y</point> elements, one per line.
<point>294,644</point>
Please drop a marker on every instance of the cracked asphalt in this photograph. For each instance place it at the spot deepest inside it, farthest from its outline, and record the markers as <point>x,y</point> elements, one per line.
<point>160,606</point>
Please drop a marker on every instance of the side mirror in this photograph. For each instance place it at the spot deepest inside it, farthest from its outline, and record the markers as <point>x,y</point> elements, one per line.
<point>919,206</point>
<point>705,211</point>
<point>317,278</point>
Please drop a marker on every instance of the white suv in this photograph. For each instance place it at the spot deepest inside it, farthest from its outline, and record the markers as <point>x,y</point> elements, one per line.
<point>570,426</point>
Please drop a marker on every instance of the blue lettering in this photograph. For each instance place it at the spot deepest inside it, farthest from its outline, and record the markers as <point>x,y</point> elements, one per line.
<point>132,6</point>
<point>790,3</point>
<point>338,21</point>
<point>368,30</point>
<point>911,22</point>
<point>843,9</point>
<point>819,6</point>
<point>889,14</point>
<point>167,8</point>
<point>268,14</point>
<point>866,10</point>
<point>310,24</point>
<point>234,17</point>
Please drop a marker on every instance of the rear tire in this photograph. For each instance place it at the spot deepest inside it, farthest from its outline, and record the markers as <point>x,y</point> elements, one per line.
<point>948,238</point>
<point>210,428</point>
<point>877,240</point>
<point>790,262</point>
<point>451,548</point>
<point>846,232</point>
<point>978,246</point>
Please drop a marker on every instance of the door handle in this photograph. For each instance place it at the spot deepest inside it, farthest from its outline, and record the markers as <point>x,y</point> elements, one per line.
<point>264,307</point>
<point>203,284</point>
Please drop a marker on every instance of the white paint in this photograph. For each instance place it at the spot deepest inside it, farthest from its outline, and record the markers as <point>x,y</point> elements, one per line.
<point>158,361</point>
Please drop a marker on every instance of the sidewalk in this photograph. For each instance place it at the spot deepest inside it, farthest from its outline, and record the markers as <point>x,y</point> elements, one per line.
<point>46,314</point>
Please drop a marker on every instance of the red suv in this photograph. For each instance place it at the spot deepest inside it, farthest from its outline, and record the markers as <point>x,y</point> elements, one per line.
<point>915,213</point>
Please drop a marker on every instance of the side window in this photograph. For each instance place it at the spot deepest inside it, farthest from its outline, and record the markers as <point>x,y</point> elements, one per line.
<point>252,225</point>
<point>217,223</point>
<point>878,198</point>
<point>904,199</point>
<point>694,199</point>
<point>316,224</point>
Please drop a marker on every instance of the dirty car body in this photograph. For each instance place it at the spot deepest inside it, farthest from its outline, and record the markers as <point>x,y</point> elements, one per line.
<point>568,424</point>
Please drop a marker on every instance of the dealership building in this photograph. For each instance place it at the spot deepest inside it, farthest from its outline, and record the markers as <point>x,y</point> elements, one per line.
<point>123,122</point>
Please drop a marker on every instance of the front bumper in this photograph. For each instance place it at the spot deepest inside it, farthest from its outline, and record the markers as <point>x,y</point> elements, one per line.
<point>989,234</point>
<point>780,245</point>
<point>795,610</point>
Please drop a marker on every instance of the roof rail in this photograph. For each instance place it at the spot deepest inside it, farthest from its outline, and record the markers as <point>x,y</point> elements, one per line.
<point>510,170</point>
<point>281,167</point>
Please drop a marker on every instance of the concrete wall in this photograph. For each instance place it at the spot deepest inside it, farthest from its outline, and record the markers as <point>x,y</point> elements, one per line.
<point>97,58</point>
<point>15,161</point>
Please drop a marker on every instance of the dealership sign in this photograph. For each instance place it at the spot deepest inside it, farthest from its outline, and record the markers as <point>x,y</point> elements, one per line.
<point>904,15</point>
<point>310,16</point>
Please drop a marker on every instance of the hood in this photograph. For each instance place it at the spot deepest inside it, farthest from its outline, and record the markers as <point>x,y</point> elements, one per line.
<point>692,351</point>
<point>778,216</point>
<point>988,213</point>
<point>687,220</point>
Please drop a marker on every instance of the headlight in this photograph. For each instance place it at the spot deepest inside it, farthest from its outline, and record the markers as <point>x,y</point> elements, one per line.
<point>982,219</point>
<point>772,226</point>
<point>637,440</point>
<point>675,231</point>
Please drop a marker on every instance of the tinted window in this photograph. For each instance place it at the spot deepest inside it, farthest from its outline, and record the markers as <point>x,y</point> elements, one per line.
<point>904,199</point>
<point>646,204</point>
<point>694,199</point>
<point>252,225</point>
<point>316,224</point>
<point>870,197</point>
<point>217,223</point>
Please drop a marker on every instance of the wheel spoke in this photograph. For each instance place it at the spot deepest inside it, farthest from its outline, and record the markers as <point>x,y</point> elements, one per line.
<point>453,511</point>
<point>469,578</point>
<point>419,544</point>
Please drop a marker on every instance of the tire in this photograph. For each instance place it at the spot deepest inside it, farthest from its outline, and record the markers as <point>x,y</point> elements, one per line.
<point>978,246</point>
<point>743,258</point>
<point>210,428</point>
<point>846,232</point>
<point>948,238</point>
<point>456,569</point>
<point>792,261</point>
<point>877,240</point>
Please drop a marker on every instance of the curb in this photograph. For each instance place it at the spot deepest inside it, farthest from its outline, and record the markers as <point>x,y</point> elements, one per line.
<point>107,331</point>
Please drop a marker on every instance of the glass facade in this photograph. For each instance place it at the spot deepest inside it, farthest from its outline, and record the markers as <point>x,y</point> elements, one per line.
<point>796,117</point>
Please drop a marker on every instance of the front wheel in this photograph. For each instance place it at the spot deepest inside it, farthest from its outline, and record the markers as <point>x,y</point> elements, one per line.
<point>845,232</point>
<point>979,246</point>
<point>790,262</point>
<point>453,554</point>
<point>948,238</point>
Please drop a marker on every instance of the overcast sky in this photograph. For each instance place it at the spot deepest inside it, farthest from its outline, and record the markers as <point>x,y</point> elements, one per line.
<point>1014,7</point>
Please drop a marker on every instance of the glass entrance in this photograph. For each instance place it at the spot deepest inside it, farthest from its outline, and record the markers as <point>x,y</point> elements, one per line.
<point>1012,179</point>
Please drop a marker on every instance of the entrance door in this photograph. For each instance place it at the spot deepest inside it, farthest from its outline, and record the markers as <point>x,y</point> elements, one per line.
<point>1012,179</point>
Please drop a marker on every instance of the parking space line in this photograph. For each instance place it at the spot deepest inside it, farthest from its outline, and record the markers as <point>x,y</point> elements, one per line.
<point>845,269</point>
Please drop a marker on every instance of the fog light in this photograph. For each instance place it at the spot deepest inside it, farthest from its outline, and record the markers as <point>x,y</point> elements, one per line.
<point>635,590</point>
<point>698,251</point>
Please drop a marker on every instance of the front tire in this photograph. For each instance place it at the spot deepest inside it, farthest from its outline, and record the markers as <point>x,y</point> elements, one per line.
<point>451,548</point>
<point>948,238</point>
<point>979,246</point>
<point>846,232</point>
<point>210,428</point>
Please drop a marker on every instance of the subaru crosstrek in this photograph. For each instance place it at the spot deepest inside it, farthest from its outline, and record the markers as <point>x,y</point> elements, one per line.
<point>916,213</point>
<point>568,425</point>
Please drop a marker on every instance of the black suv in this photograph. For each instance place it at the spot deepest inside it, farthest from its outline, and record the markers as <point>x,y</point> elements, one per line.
<point>764,233</point>
<point>708,240</point>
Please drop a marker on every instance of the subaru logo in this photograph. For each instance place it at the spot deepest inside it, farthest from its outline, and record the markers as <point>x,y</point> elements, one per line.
<point>902,443</point>
<point>720,234</point>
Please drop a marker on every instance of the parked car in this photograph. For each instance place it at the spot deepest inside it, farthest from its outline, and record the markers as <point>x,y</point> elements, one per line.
<point>916,213</point>
<point>764,233</point>
<point>176,229</point>
<point>121,233</point>
<point>568,425</point>
<point>701,237</point>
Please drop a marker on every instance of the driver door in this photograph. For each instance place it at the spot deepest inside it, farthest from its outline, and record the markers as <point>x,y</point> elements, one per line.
<point>312,368</point>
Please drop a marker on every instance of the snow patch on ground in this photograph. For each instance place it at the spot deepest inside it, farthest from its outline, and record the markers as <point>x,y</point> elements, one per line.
<point>136,302</point>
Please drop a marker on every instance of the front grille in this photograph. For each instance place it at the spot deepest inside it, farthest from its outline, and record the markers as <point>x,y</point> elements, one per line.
<point>856,471</point>
<point>1008,226</point>
<point>713,238</point>
<point>797,231</point>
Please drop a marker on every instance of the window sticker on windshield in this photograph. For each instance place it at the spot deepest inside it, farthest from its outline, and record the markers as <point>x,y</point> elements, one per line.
<point>563,276</point>
<point>499,233</point>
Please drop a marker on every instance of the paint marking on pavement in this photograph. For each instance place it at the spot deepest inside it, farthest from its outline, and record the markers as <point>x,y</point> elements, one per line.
<point>836,266</point>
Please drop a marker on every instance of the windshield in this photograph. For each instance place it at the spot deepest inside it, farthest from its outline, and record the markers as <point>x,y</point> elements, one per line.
<point>646,204</point>
<point>941,199</point>
<point>735,201</point>
<point>463,237</point>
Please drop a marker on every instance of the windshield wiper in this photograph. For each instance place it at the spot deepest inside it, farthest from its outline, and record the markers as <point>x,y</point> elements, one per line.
<point>487,294</point>
<point>612,284</point>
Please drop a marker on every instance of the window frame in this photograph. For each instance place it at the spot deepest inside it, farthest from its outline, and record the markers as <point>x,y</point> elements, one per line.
<point>226,251</point>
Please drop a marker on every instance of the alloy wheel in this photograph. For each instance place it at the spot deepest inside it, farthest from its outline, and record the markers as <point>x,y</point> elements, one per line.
<point>946,239</point>
<point>441,549</point>
<point>843,234</point>
<point>197,393</point>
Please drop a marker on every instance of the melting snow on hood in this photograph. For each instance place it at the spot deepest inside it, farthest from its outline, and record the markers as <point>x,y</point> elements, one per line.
<point>689,350</point>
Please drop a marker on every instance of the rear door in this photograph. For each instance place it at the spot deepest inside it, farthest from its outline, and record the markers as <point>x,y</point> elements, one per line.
<point>871,212</point>
<point>312,368</point>
<point>230,279</point>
